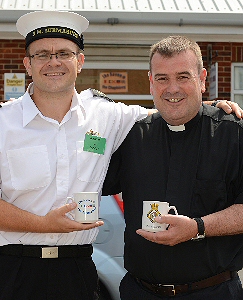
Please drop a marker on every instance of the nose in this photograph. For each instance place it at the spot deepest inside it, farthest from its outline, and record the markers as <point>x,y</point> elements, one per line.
<point>173,86</point>
<point>54,59</point>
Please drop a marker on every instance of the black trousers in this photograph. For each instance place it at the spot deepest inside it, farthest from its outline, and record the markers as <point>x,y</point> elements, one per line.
<point>130,289</point>
<point>27,278</point>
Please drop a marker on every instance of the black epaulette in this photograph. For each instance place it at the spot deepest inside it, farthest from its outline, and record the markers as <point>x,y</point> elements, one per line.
<point>97,93</point>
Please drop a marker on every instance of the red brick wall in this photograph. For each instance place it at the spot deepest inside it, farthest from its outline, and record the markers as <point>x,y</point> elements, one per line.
<point>227,53</point>
<point>11,60</point>
<point>12,54</point>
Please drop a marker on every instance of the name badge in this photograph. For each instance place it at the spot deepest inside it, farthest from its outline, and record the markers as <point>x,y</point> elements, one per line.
<point>94,143</point>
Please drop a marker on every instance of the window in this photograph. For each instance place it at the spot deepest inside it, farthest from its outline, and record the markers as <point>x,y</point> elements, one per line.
<point>135,82</point>
<point>237,83</point>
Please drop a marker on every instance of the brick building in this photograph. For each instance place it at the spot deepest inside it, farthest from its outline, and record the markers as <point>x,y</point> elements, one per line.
<point>118,39</point>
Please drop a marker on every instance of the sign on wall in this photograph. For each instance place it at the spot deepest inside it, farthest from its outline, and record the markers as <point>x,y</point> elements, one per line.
<point>213,82</point>
<point>114,82</point>
<point>14,85</point>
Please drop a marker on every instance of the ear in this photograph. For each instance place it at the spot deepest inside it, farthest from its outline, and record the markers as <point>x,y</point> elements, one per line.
<point>203,77</point>
<point>80,62</point>
<point>151,82</point>
<point>27,65</point>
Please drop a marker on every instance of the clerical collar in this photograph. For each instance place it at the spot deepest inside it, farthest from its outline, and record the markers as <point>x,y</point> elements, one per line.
<point>187,125</point>
<point>177,128</point>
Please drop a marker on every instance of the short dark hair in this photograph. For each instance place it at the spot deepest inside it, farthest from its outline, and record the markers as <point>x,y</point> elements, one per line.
<point>172,45</point>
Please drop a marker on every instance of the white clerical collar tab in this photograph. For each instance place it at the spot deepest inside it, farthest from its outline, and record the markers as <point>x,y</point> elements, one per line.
<point>177,128</point>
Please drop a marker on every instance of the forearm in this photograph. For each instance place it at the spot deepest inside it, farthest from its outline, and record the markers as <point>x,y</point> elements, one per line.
<point>152,111</point>
<point>15,219</point>
<point>208,102</point>
<point>182,228</point>
<point>226,222</point>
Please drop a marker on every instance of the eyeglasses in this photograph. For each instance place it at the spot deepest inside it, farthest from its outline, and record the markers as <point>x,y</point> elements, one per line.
<point>62,55</point>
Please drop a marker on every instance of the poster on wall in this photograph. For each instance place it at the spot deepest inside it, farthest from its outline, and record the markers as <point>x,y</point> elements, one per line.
<point>114,82</point>
<point>14,85</point>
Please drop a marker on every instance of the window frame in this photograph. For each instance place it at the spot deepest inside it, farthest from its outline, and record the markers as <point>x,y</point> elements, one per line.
<point>233,80</point>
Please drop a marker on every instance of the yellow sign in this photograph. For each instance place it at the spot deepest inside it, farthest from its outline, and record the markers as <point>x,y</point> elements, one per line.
<point>14,81</point>
<point>14,85</point>
<point>114,82</point>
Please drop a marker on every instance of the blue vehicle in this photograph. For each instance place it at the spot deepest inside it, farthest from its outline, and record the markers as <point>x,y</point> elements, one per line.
<point>109,247</point>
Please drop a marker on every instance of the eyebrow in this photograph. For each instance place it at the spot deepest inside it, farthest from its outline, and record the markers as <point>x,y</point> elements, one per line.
<point>59,50</point>
<point>178,73</point>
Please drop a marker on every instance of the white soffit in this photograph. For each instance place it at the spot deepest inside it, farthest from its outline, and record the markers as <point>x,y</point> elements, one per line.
<point>139,21</point>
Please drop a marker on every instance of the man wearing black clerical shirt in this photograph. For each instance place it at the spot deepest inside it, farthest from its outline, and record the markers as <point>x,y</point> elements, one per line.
<point>191,156</point>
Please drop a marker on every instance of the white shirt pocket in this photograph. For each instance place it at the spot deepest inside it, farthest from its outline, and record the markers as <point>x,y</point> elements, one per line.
<point>29,167</point>
<point>90,166</point>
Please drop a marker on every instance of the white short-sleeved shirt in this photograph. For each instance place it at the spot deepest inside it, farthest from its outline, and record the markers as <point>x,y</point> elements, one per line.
<point>42,162</point>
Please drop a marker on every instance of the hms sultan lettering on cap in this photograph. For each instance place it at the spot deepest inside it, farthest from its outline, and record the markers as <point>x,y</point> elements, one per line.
<point>52,24</point>
<point>61,30</point>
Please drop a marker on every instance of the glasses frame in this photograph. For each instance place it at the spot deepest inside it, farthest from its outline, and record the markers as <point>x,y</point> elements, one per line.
<point>57,55</point>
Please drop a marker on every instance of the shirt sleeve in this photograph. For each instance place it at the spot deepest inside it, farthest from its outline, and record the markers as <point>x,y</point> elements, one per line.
<point>127,115</point>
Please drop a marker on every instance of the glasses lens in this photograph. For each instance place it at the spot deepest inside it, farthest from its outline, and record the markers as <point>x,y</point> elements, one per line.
<point>46,56</point>
<point>42,56</point>
<point>65,55</point>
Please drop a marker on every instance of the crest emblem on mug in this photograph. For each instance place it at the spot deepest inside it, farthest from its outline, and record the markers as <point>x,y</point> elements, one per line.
<point>86,206</point>
<point>154,212</point>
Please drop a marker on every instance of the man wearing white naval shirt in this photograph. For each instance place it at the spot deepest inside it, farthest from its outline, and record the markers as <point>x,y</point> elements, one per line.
<point>44,254</point>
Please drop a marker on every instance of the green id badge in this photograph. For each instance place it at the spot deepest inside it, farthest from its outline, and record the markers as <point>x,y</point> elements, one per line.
<point>94,143</point>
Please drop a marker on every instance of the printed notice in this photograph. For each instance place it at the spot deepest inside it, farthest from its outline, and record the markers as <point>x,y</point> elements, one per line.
<point>114,82</point>
<point>14,85</point>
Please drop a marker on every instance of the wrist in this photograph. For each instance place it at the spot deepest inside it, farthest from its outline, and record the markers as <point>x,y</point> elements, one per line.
<point>215,103</point>
<point>200,229</point>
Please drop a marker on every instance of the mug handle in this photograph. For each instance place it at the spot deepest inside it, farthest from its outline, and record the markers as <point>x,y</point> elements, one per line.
<point>174,208</point>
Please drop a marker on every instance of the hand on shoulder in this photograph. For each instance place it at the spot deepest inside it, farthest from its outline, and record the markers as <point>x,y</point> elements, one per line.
<point>228,106</point>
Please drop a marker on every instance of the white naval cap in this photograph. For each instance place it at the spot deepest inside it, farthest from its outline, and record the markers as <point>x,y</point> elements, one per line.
<point>48,24</point>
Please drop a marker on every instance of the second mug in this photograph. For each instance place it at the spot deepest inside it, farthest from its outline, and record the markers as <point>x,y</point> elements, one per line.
<point>153,209</point>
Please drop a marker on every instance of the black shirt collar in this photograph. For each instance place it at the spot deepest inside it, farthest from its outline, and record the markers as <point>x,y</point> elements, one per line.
<point>189,124</point>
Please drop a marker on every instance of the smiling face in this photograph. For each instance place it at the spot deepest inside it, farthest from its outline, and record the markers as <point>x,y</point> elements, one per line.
<point>54,75</point>
<point>177,86</point>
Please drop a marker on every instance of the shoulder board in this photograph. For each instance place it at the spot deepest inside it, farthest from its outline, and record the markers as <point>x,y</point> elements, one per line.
<point>97,93</point>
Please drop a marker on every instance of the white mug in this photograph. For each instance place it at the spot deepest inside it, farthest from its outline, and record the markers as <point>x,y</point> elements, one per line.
<point>152,209</point>
<point>87,209</point>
